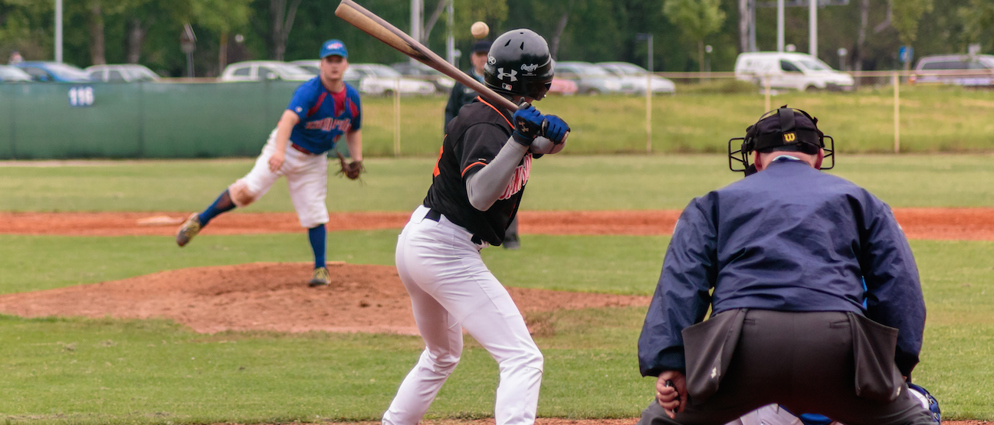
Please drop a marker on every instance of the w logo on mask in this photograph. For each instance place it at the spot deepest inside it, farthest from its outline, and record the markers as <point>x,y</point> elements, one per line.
<point>501,74</point>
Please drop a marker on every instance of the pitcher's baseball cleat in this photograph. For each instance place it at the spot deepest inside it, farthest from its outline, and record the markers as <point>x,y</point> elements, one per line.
<point>188,230</point>
<point>320,278</point>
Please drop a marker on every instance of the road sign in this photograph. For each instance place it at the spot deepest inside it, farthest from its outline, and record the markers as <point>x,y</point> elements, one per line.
<point>905,54</point>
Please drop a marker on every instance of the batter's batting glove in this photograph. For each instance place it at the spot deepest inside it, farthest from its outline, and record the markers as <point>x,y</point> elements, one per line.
<point>555,129</point>
<point>527,124</point>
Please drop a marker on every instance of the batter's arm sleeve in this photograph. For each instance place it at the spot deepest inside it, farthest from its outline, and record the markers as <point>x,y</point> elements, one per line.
<point>893,287</point>
<point>487,184</point>
<point>681,298</point>
<point>354,141</point>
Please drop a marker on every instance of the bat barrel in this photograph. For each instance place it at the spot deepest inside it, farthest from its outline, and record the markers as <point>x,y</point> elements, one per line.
<point>382,30</point>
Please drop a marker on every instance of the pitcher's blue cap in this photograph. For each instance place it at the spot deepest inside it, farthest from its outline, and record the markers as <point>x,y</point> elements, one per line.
<point>334,47</point>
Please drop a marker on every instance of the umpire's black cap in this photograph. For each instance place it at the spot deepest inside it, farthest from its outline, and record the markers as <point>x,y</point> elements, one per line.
<point>785,129</point>
<point>482,46</point>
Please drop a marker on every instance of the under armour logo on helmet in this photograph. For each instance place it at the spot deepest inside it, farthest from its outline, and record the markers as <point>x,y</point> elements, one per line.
<point>501,74</point>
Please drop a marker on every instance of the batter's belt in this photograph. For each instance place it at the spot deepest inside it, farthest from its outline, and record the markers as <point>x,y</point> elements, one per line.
<point>435,216</point>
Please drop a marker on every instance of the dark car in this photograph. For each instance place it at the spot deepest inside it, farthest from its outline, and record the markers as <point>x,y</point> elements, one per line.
<point>54,72</point>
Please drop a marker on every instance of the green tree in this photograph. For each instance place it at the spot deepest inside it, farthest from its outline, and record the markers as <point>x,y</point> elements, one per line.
<point>221,18</point>
<point>492,12</point>
<point>907,14</point>
<point>696,19</point>
<point>978,19</point>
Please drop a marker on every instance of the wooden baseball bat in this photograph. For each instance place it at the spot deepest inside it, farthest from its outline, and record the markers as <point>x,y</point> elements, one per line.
<point>382,30</point>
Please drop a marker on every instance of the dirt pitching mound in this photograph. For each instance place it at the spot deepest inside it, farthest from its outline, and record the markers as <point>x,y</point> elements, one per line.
<point>272,297</point>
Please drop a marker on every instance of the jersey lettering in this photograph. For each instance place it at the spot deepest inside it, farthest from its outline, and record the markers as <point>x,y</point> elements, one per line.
<point>520,178</point>
<point>328,124</point>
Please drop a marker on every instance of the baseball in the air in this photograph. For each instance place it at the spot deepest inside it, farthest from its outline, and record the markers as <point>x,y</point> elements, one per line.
<point>479,29</point>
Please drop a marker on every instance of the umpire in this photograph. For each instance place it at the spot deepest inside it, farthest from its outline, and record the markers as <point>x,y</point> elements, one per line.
<point>816,301</point>
<point>460,94</point>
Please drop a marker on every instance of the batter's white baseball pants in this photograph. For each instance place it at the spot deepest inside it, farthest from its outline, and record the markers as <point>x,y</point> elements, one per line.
<point>451,289</point>
<point>306,177</point>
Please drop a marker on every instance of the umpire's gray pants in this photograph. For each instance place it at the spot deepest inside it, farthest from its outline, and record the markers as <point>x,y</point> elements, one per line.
<point>803,361</point>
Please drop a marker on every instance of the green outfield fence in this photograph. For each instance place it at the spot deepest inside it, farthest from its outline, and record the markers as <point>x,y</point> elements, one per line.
<point>204,118</point>
<point>138,120</point>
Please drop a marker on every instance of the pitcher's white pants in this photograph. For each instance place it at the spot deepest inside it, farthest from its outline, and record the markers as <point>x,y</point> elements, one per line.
<point>306,176</point>
<point>451,290</point>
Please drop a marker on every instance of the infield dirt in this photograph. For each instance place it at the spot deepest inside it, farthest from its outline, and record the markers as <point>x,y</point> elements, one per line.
<point>360,298</point>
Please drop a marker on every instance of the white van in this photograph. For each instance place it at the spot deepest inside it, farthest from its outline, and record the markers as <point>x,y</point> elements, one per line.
<point>798,71</point>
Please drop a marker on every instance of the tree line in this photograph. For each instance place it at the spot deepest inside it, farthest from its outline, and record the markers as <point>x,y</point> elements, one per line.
<point>148,31</point>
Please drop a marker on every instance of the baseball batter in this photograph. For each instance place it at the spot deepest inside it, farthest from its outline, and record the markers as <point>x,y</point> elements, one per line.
<point>321,111</point>
<point>482,170</point>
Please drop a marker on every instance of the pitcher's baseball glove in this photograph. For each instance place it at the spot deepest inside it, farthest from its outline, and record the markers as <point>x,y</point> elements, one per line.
<point>352,170</point>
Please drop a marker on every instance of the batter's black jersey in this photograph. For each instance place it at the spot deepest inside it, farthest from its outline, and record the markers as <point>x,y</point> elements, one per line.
<point>471,141</point>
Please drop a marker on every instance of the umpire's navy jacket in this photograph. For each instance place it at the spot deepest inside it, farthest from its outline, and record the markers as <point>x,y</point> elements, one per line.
<point>789,238</point>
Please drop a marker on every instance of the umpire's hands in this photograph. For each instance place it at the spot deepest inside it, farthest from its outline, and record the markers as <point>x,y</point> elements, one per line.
<point>555,129</point>
<point>672,398</point>
<point>527,124</point>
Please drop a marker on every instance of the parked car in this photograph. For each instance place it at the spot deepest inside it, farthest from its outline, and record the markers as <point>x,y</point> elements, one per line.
<point>121,73</point>
<point>787,70</point>
<point>54,71</point>
<point>420,71</point>
<point>376,79</point>
<point>13,74</point>
<point>264,70</point>
<point>563,86</point>
<point>313,66</point>
<point>589,78</point>
<point>634,76</point>
<point>977,70</point>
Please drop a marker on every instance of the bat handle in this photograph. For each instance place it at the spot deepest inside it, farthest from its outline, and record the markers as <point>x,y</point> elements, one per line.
<point>545,123</point>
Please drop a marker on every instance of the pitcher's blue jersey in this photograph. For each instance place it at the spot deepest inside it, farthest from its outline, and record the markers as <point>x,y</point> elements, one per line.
<point>324,116</point>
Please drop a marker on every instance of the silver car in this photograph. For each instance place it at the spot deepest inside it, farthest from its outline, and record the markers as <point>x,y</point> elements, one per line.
<point>313,66</point>
<point>589,78</point>
<point>383,80</point>
<point>961,70</point>
<point>128,72</point>
<point>418,70</point>
<point>634,78</point>
<point>12,74</point>
<point>264,70</point>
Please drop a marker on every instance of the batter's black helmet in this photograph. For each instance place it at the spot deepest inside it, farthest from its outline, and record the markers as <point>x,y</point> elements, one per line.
<point>783,129</point>
<point>519,63</point>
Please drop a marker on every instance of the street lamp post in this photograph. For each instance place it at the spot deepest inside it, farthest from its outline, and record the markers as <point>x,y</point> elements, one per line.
<point>58,30</point>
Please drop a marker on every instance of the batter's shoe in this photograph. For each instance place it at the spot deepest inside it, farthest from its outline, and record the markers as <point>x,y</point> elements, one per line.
<point>511,241</point>
<point>320,278</point>
<point>188,230</point>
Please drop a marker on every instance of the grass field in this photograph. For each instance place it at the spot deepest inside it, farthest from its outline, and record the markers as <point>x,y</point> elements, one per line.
<point>89,371</point>
<point>933,119</point>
